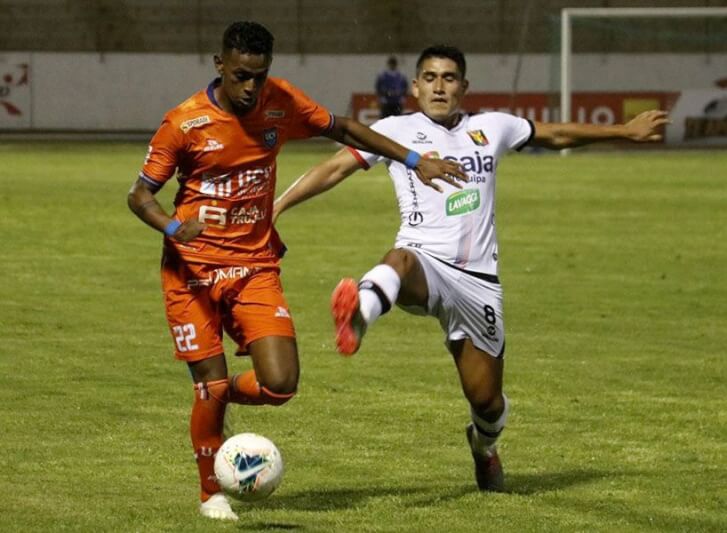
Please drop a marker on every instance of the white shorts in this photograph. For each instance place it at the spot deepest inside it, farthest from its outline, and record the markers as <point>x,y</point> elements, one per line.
<point>466,305</point>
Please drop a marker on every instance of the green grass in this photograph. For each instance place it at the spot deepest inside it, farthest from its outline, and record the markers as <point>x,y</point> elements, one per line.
<point>615,288</point>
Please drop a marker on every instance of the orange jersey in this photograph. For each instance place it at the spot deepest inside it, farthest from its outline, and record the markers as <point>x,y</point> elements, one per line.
<point>226,167</point>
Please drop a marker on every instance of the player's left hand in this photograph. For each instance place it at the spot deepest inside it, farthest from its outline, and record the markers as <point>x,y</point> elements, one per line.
<point>645,126</point>
<point>428,170</point>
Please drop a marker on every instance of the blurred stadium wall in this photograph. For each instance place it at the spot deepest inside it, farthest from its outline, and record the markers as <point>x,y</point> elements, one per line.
<point>117,66</point>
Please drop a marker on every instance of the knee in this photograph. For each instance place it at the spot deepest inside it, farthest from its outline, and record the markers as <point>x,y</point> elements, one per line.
<point>279,391</point>
<point>400,260</point>
<point>487,404</point>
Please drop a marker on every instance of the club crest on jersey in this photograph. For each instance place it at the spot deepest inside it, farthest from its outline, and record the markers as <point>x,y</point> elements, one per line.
<point>478,137</point>
<point>194,123</point>
<point>270,137</point>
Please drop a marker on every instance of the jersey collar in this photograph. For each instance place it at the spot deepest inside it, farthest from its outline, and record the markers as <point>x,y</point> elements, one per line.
<point>211,92</point>
<point>460,123</point>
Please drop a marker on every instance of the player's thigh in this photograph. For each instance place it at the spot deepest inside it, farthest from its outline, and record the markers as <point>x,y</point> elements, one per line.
<point>193,317</point>
<point>210,369</point>
<point>480,374</point>
<point>276,364</point>
<point>413,291</point>
<point>259,320</point>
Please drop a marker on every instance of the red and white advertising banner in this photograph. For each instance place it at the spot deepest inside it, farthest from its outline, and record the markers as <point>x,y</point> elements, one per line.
<point>15,91</point>
<point>591,107</point>
<point>699,118</point>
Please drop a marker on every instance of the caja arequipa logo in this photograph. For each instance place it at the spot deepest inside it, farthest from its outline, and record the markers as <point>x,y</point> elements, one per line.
<point>12,77</point>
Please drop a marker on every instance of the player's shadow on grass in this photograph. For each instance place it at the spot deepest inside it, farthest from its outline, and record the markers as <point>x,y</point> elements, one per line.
<point>526,484</point>
<point>338,499</point>
<point>425,496</point>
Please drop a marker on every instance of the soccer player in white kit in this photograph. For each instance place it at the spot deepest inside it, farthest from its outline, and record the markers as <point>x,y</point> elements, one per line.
<point>444,261</point>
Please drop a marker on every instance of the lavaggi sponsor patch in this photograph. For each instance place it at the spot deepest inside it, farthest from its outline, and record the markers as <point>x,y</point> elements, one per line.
<point>463,202</point>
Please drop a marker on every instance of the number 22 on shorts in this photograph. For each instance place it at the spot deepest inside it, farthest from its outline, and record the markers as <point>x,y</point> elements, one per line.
<point>183,336</point>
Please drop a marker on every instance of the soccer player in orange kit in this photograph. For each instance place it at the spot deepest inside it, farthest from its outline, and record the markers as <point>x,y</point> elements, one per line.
<point>220,263</point>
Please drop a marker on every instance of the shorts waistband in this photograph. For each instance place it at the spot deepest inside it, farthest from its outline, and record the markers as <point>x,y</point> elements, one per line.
<point>490,278</point>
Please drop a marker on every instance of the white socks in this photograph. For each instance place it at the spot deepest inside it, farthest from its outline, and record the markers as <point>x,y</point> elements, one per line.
<point>377,292</point>
<point>486,433</point>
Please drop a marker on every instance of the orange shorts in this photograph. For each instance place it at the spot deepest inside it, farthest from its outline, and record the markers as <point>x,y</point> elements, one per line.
<point>202,300</point>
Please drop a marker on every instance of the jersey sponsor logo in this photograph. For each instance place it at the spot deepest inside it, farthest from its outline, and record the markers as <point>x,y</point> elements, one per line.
<point>237,272</point>
<point>463,202</point>
<point>475,163</point>
<point>194,123</point>
<point>270,137</point>
<point>219,216</point>
<point>213,145</point>
<point>421,138</point>
<point>209,214</point>
<point>274,113</point>
<point>237,185</point>
<point>478,137</point>
<point>415,218</point>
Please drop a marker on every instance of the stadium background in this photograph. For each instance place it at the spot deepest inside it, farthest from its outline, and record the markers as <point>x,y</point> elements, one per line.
<point>117,66</point>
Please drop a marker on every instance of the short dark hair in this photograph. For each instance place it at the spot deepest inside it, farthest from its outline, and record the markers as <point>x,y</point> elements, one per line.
<point>446,51</point>
<point>248,38</point>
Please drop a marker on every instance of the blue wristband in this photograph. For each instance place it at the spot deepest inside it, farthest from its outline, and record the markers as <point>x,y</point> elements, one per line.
<point>412,158</point>
<point>172,228</point>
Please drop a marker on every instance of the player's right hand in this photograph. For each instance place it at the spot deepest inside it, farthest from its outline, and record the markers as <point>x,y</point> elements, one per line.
<point>428,170</point>
<point>190,229</point>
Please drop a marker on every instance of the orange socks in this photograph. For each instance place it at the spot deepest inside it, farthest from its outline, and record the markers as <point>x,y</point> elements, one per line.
<point>245,389</point>
<point>208,413</point>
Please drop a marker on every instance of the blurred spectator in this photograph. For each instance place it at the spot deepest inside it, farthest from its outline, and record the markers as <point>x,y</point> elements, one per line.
<point>391,89</point>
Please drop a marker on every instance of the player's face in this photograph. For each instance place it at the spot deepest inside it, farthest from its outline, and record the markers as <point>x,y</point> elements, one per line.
<point>243,77</point>
<point>439,88</point>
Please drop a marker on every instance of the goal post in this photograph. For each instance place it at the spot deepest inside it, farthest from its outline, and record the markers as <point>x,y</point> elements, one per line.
<point>568,15</point>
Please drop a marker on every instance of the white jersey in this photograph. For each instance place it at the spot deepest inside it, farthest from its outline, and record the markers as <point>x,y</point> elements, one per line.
<point>456,225</point>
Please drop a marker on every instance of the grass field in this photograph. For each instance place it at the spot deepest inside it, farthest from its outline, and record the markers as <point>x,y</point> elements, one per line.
<point>615,274</point>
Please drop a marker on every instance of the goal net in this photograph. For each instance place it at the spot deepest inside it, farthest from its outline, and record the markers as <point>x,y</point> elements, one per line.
<point>613,63</point>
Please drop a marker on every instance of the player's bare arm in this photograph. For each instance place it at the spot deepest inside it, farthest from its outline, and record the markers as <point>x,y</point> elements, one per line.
<point>645,127</point>
<point>320,178</point>
<point>355,134</point>
<point>144,205</point>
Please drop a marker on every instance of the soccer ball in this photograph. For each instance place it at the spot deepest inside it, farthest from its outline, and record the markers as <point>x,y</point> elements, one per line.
<point>249,467</point>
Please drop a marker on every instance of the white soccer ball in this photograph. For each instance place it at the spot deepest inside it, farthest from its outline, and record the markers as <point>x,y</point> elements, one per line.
<point>249,467</point>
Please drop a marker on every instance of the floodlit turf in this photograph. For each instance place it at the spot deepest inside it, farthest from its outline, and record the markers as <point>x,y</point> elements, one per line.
<point>615,274</point>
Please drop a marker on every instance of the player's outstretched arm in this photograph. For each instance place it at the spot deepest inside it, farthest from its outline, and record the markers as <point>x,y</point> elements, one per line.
<point>645,127</point>
<point>319,179</point>
<point>143,204</point>
<point>355,134</point>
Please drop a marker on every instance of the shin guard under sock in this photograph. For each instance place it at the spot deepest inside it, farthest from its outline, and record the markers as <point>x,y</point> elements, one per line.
<point>377,292</point>
<point>486,433</point>
<point>245,389</point>
<point>208,412</point>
